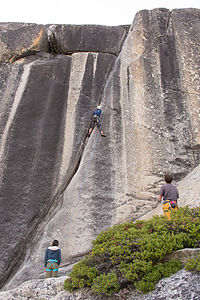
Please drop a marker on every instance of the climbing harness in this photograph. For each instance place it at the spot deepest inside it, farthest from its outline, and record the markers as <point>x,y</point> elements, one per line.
<point>97,120</point>
<point>173,204</point>
<point>52,263</point>
<point>168,207</point>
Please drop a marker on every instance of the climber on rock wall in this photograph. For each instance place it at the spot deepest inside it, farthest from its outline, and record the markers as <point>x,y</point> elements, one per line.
<point>169,193</point>
<point>96,121</point>
<point>52,259</point>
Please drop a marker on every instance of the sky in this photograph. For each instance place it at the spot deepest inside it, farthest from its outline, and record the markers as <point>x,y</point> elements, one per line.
<point>101,12</point>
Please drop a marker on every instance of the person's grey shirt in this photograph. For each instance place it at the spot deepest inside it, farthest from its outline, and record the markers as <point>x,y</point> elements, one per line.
<point>169,192</point>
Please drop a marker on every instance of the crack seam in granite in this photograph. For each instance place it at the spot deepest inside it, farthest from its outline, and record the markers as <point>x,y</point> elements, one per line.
<point>167,27</point>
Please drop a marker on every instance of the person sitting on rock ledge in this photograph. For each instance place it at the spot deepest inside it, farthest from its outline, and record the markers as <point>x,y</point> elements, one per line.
<point>96,121</point>
<point>52,259</point>
<point>169,193</point>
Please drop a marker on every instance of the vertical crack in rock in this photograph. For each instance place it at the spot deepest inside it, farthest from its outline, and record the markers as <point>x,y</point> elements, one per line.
<point>103,200</point>
<point>165,27</point>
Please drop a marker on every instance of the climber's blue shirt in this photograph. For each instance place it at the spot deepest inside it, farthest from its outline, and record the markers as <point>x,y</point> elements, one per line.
<point>97,112</point>
<point>52,252</point>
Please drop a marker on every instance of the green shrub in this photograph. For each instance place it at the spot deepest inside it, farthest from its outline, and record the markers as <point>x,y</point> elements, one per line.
<point>81,276</point>
<point>193,264</point>
<point>134,253</point>
<point>106,284</point>
<point>147,283</point>
<point>134,270</point>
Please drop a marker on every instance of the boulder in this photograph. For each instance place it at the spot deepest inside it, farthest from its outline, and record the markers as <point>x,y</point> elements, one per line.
<point>182,285</point>
<point>36,289</point>
<point>87,38</point>
<point>189,189</point>
<point>19,40</point>
<point>184,254</point>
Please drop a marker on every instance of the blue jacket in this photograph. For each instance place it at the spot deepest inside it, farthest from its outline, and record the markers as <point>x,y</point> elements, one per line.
<point>52,252</point>
<point>97,112</point>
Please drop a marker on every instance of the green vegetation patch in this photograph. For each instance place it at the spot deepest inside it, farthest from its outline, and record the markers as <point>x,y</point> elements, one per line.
<point>134,253</point>
<point>193,264</point>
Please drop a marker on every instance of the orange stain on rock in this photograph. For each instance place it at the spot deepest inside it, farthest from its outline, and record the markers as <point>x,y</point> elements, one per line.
<point>37,40</point>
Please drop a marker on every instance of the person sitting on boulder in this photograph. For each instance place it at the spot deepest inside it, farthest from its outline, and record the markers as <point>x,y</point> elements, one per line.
<point>52,259</point>
<point>169,193</point>
<point>96,121</point>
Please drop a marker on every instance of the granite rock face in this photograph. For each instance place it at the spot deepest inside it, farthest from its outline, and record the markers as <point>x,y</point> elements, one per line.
<point>57,183</point>
<point>46,103</point>
<point>189,189</point>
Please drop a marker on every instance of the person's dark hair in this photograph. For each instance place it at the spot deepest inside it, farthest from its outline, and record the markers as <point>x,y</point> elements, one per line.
<point>55,243</point>
<point>168,178</point>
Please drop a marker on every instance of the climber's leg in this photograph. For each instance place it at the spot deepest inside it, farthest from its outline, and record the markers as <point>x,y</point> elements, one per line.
<point>167,210</point>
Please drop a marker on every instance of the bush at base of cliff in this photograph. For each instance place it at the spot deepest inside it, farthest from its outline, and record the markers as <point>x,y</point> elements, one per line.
<point>81,276</point>
<point>193,264</point>
<point>147,283</point>
<point>106,284</point>
<point>134,253</point>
